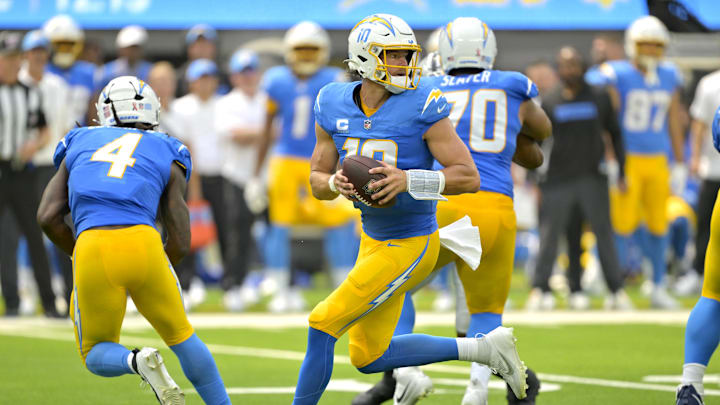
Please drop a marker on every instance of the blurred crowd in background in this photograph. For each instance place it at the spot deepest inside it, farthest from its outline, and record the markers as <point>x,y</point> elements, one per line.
<point>218,107</point>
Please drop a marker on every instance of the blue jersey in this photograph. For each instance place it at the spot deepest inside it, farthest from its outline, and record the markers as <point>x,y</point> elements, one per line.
<point>485,114</point>
<point>117,175</point>
<point>643,106</point>
<point>716,130</point>
<point>294,99</point>
<point>393,134</point>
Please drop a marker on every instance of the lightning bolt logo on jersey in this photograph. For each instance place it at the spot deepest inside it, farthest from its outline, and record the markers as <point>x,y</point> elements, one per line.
<point>294,100</point>
<point>395,136</point>
<point>643,106</point>
<point>485,114</point>
<point>117,175</point>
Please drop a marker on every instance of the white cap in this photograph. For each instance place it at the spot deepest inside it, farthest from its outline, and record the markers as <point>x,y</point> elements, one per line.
<point>130,36</point>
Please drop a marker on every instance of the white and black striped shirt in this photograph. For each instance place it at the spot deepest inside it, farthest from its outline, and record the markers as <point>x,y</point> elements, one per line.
<point>20,114</point>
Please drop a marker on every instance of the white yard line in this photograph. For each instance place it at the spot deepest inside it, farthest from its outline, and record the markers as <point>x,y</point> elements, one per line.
<point>424,319</point>
<point>54,330</point>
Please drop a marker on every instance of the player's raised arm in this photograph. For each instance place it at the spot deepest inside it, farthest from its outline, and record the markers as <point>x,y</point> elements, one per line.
<point>461,175</point>
<point>175,216</point>
<point>323,177</point>
<point>52,210</point>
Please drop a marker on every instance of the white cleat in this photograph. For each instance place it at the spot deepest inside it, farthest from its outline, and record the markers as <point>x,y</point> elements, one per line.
<point>475,394</point>
<point>411,385</point>
<point>540,301</point>
<point>661,299</point>
<point>505,360</point>
<point>688,285</point>
<point>579,301</point>
<point>151,368</point>
<point>233,300</point>
<point>619,301</point>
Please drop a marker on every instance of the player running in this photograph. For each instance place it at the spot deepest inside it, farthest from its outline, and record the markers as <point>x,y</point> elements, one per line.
<point>395,116</point>
<point>646,93</point>
<point>495,116</point>
<point>114,179</point>
<point>702,333</point>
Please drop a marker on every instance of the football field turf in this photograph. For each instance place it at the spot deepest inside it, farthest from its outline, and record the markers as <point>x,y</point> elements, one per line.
<point>582,358</point>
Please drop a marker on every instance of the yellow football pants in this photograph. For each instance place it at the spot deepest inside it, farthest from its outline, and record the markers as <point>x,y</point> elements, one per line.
<point>368,303</point>
<point>711,283</point>
<point>109,264</point>
<point>648,189</point>
<point>291,200</point>
<point>487,288</point>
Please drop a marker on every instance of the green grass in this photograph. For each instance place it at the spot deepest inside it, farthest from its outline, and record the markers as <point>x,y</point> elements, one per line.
<point>39,371</point>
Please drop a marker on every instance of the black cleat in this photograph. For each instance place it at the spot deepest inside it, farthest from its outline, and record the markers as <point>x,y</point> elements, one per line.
<point>688,395</point>
<point>533,383</point>
<point>379,393</point>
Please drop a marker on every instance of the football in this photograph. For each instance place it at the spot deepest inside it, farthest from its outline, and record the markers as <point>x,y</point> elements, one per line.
<point>355,168</point>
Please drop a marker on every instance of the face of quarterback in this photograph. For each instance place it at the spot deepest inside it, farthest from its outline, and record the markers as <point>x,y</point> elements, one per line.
<point>397,58</point>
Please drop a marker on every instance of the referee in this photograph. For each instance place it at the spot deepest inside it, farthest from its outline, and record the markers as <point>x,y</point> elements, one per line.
<point>22,133</point>
<point>580,115</point>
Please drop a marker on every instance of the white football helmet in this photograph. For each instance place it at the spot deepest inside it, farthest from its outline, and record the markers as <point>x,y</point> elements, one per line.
<point>66,39</point>
<point>306,34</point>
<point>368,42</point>
<point>431,64</point>
<point>467,42</point>
<point>128,100</point>
<point>645,29</point>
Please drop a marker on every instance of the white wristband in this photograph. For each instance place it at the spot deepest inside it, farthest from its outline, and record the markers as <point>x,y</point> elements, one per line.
<point>331,183</point>
<point>425,184</point>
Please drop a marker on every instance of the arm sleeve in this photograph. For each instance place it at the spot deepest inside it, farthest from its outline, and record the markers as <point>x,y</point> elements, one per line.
<point>320,115</point>
<point>62,148</point>
<point>611,125</point>
<point>522,87</point>
<point>434,107</point>
<point>181,156</point>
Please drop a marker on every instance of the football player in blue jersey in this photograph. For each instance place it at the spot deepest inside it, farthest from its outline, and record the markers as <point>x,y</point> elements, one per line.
<point>291,91</point>
<point>402,120</point>
<point>646,93</point>
<point>117,180</point>
<point>498,127</point>
<point>67,41</point>
<point>702,333</point>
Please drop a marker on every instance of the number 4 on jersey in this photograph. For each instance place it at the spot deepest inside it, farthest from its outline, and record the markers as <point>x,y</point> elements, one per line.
<point>119,153</point>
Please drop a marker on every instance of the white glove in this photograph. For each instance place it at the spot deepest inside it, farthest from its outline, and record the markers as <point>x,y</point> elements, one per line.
<point>678,178</point>
<point>255,195</point>
<point>612,169</point>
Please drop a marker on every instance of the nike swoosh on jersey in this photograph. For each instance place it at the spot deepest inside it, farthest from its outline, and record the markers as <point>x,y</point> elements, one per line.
<point>440,109</point>
<point>391,245</point>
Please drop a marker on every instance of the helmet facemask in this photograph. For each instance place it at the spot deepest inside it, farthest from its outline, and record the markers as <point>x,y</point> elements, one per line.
<point>399,82</point>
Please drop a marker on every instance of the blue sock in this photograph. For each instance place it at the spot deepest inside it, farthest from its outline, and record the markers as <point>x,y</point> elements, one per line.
<point>414,349</point>
<point>484,323</point>
<point>702,333</point>
<point>656,247</point>
<point>316,369</point>
<point>680,231</point>
<point>108,359</point>
<point>199,367</point>
<point>337,251</point>
<point>406,323</point>
<point>277,253</point>
<point>622,243</point>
